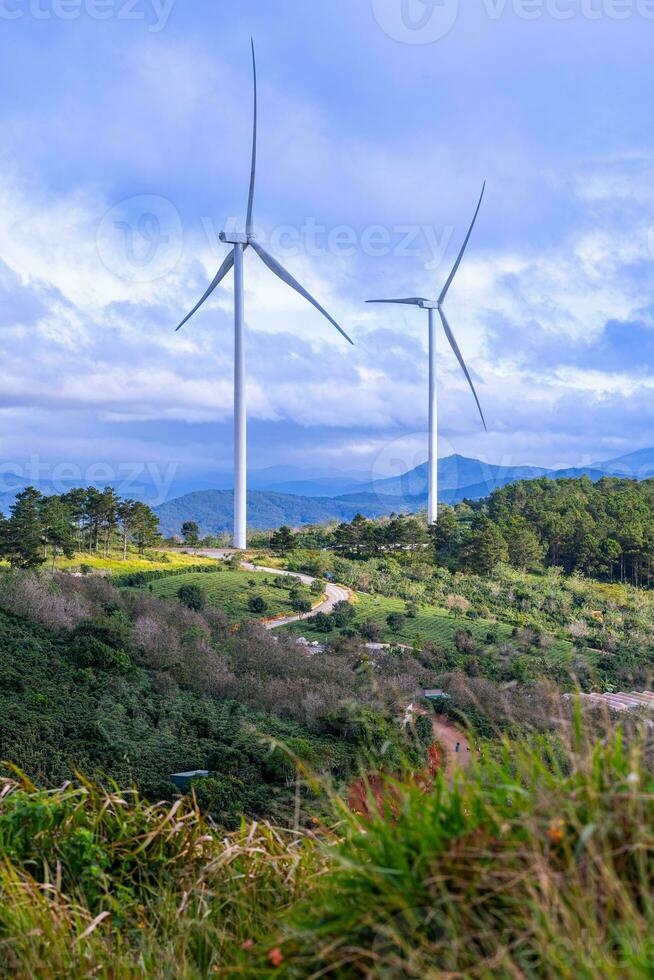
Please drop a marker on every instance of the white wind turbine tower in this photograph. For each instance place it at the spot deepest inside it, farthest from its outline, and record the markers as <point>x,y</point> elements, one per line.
<point>240,241</point>
<point>430,305</point>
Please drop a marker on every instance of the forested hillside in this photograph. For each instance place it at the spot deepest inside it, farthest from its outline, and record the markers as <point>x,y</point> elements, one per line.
<point>136,688</point>
<point>604,530</point>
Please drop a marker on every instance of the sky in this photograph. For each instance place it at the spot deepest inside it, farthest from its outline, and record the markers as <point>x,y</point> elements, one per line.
<point>124,151</point>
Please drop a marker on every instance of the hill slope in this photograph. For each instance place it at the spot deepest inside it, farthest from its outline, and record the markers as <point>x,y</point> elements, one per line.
<point>213,510</point>
<point>454,473</point>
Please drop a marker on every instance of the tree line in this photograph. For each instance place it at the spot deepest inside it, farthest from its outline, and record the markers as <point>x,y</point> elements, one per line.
<point>604,530</point>
<point>83,519</point>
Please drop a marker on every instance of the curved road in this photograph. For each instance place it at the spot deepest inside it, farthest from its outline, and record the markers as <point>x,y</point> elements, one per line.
<point>335,593</point>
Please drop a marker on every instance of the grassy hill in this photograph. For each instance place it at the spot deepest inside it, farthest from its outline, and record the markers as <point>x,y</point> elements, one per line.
<point>537,863</point>
<point>230,591</point>
<point>133,687</point>
<point>428,623</point>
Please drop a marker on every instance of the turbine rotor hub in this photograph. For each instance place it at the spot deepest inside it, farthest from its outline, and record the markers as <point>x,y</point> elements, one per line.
<point>234,237</point>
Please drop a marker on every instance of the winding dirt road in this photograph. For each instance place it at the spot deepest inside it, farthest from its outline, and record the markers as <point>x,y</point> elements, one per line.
<point>335,593</point>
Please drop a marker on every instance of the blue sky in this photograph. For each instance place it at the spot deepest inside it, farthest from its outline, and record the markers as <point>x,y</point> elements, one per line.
<point>124,144</point>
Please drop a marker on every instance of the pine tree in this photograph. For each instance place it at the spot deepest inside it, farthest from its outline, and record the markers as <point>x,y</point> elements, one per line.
<point>445,534</point>
<point>125,515</point>
<point>145,526</point>
<point>486,546</point>
<point>24,531</point>
<point>282,541</point>
<point>58,528</point>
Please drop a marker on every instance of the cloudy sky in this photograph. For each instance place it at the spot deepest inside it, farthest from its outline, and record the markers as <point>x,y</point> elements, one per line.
<point>124,144</point>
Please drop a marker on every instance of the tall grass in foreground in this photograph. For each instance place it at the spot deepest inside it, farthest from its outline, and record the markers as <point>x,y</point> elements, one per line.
<point>102,884</point>
<point>538,862</point>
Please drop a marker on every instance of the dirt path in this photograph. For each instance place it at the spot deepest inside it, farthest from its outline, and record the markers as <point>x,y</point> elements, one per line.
<point>450,735</point>
<point>335,593</point>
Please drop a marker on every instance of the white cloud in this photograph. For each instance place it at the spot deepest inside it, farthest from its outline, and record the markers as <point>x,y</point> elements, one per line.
<point>93,342</point>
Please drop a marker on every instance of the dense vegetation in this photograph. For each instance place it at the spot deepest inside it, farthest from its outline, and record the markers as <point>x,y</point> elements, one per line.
<point>538,863</point>
<point>136,688</point>
<point>603,529</point>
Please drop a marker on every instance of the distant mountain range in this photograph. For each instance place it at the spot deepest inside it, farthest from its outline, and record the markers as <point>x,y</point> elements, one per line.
<point>320,498</point>
<point>291,495</point>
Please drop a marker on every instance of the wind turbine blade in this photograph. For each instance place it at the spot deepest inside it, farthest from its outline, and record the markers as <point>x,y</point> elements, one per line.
<point>459,357</point>
<point>286,277</point>
<point>253,169</point>
<point>463,248</point>
<point>220,275</point>
<point>411,301</point>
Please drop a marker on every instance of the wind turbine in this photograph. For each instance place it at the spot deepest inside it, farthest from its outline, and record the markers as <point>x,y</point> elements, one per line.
<point>431,305</point>
<point>240,241</point>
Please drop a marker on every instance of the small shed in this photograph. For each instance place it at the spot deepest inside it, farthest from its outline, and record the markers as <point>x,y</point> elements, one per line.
<point>183,780</point>
<point>435,694</point>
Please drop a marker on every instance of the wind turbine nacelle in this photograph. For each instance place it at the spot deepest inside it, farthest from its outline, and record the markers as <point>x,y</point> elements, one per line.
<point>429,304</point>
<point>234,237</point>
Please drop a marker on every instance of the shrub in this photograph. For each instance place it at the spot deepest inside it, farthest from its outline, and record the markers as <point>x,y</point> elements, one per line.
<point>257,604</point>
<point>396,622</point>
<point>41,600</point>
<point>102,643</point>
<point>371,630</point>
<point>343,613</point>
<point>424,730</point>
<point>300,604</point>
<point>323,622</point>
<point>89,651</point>
<point>464,641</point>
<point>192,596</point>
